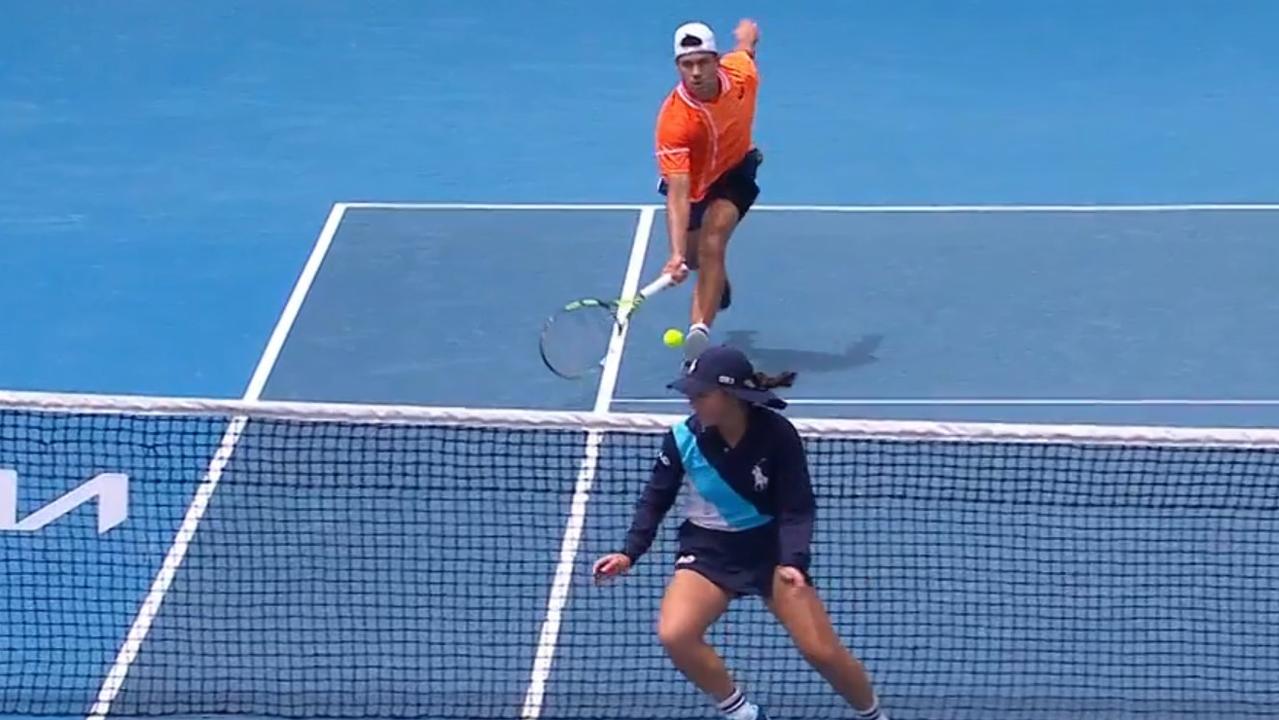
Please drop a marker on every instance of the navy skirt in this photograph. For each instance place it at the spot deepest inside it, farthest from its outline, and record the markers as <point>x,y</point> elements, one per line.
<point>741,563</point>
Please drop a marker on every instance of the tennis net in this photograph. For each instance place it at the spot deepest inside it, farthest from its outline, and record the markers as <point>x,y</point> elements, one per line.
<point>310,560</point>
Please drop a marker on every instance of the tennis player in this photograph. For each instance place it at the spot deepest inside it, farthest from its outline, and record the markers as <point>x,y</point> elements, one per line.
<point>708,164</point>
<point>750,510</point>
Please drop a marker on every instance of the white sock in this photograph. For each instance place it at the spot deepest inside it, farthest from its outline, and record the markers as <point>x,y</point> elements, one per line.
<point>737,707</point>
<point>699,326</point>
<point>871,713</point>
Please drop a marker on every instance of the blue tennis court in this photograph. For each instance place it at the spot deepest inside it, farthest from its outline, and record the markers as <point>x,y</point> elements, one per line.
<point>978,213</point>
<point>1101,314</point>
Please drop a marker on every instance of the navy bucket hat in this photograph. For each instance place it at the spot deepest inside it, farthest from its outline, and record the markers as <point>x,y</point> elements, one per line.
<point>728,369</point>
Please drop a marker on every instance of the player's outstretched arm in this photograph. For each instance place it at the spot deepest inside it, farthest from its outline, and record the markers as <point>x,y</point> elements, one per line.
<point>678,209</point>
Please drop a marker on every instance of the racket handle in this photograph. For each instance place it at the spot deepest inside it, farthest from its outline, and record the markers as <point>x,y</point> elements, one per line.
<point>658,285</point>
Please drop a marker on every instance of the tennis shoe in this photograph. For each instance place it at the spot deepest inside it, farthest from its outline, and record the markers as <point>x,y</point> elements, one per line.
<point>695,343</point>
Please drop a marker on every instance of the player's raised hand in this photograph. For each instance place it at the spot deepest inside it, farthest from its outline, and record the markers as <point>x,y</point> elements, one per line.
<point>747,34</point>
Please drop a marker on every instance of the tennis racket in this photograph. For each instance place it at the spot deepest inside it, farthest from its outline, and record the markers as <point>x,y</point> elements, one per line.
<point>575,339</point>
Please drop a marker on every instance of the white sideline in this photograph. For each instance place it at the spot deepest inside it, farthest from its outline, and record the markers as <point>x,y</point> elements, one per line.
<point>548,638</point>
<point>141,626</point>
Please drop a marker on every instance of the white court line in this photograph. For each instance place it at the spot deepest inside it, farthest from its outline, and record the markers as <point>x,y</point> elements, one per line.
<point>548,639</point>
<point>294,304</point>
<point>630,285</point>
<point>1059,208</point>
<point>150,607</point>
<point>987,402</point>
<point>628,207</point>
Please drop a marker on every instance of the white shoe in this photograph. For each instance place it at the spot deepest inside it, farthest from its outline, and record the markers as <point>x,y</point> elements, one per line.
<point>695,343</point>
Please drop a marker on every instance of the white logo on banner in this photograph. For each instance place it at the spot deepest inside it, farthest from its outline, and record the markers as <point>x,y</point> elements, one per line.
<point>111,490</point>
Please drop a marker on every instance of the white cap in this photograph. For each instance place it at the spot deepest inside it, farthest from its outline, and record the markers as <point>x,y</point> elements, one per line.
<point>694,37</point>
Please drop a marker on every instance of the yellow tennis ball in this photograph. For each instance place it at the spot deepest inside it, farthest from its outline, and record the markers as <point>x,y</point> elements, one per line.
<point>673,338</point>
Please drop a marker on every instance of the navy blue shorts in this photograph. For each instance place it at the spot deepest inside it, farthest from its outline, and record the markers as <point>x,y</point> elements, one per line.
<point>737,185</point>
<point>741,563</point>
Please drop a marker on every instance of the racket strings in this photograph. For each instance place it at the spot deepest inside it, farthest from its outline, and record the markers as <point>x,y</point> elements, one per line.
<point>577,338</point>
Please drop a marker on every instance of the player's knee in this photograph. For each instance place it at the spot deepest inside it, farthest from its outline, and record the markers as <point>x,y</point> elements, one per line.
<point>711,250</point>
<point>676,637</point>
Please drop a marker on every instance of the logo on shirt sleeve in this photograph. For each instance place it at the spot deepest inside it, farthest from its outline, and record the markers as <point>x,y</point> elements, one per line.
<point>661,458</point>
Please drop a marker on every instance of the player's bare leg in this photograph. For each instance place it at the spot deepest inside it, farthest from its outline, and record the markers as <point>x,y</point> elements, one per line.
<point>718,223</point>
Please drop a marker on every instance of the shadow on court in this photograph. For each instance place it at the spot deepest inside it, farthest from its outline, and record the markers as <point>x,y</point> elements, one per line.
<point>857,353</point>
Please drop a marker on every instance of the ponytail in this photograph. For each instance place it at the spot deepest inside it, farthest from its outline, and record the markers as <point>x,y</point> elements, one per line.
<point>781,380</point>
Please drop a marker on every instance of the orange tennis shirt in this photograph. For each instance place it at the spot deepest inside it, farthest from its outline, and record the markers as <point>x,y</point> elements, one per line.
<point>706,139</point>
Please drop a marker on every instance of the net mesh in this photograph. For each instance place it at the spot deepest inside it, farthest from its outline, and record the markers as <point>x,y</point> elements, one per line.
<point>362,562</point>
